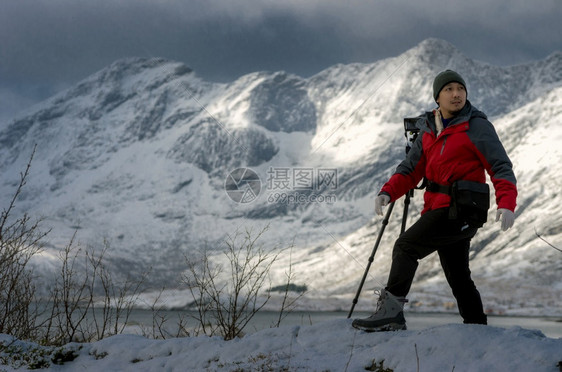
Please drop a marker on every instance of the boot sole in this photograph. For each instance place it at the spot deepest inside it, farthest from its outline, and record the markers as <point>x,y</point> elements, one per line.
<point>384,328</point>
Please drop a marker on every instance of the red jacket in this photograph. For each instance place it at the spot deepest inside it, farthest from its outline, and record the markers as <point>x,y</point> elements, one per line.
<point>468,146</point>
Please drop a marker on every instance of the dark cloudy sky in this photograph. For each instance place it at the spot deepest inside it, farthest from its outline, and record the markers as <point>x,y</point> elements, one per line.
<point>49,45</point>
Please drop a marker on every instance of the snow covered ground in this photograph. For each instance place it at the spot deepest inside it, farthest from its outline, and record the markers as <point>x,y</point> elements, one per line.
<point>327,346</point>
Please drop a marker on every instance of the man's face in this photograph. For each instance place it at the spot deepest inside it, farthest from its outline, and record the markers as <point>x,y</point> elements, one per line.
<point>451,99</point>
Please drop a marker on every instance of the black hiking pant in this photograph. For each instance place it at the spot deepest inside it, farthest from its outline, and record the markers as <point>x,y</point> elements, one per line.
<point>434,231</point>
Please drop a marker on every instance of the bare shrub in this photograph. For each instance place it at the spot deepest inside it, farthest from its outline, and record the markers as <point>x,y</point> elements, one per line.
<point>288,303</point>
<point>118,299</point>
<point>86,303</point>
<point>71,298</point>
<point>20,240</point>
<point>157,330</point>
<point>227,298</point>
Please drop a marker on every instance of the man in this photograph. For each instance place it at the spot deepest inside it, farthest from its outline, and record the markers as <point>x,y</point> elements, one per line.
<point>455,142</point>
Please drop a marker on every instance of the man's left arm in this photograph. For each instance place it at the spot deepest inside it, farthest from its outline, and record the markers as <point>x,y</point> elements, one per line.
<point>499,167</point>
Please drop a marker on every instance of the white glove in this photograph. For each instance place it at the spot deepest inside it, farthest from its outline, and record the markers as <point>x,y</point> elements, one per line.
<point>507,217</point>
<point>380,202</point>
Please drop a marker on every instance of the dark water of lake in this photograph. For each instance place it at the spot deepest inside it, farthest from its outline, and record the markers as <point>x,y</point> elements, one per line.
<point>550,326</point>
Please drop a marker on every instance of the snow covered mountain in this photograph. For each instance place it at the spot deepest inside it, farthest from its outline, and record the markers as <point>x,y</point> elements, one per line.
<point>141,154</point>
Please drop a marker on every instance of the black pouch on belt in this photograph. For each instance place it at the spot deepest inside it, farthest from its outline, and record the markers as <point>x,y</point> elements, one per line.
<point>470,202</point>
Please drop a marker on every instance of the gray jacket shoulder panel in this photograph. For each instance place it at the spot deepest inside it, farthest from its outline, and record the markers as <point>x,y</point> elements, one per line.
<point>486,140</point>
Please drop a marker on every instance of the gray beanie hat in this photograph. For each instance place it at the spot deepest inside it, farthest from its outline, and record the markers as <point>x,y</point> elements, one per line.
<point>444,78</point>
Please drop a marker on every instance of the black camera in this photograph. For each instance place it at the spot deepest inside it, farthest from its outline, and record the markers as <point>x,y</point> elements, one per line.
<point>411,131</point>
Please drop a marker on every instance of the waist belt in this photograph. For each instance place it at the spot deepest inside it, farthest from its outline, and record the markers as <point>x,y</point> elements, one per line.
<point>435,187</point>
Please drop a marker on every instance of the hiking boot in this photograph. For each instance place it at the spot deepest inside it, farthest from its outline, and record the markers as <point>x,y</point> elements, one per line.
<point>389,315</point>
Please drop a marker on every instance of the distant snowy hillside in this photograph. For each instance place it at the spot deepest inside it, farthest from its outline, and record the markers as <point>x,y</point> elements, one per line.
<point>140,152</point>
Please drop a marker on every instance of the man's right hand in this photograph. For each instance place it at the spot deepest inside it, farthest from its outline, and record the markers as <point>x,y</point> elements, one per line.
<point>381,201</point>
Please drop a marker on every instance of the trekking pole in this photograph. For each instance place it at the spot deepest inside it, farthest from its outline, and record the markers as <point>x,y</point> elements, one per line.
<point>371,258</point>
<point>409,194</point>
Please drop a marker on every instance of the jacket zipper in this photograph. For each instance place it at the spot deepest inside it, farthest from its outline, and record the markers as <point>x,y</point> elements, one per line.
<point>443,146</point>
